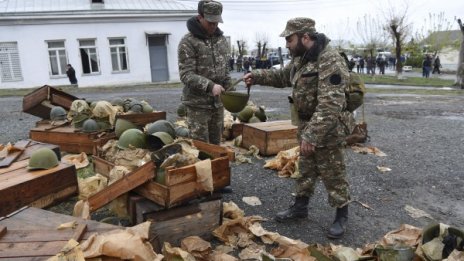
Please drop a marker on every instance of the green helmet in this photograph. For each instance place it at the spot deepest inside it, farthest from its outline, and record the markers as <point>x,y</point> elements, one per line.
<point>146,108</point>
<point>132,137</point>
<point>234,101</point>
<point>254,119</point>
<point>161,125</point>
<point>245,114</point>
<point>126,103</point>
<point>261,114</point>
<point>135,106</point>
<point>122,125</point>
<point>43,158</point>
<point>57,113</point>
<point>182,132</point>
<point>78,120</point>
<point>103,124</point>
<point>90,125</point>
<point>117,102</point>
<point>158,139</point>
<point>181,110</point>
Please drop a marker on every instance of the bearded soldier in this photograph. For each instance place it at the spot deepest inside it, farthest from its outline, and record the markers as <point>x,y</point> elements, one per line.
<point>203,66</point>
<point>319,77</point>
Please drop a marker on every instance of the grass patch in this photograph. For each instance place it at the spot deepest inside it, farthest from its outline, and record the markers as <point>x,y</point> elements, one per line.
<point>410,81</point>
<point>430,91</point>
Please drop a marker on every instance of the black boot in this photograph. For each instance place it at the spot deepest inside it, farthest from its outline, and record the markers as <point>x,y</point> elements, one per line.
<point>337,229</point>
<point>298,210</point>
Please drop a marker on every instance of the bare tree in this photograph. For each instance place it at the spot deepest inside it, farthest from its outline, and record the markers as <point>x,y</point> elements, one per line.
<point>399,29</point>
<point>370,33</point>
<point>460,70</point>
<point>261,41</point>
<point>435,33</point>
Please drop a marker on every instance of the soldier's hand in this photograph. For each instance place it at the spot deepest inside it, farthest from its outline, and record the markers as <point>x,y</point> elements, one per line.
<point>306,148</point>
<point>217,90</point>
<point>248,79</point>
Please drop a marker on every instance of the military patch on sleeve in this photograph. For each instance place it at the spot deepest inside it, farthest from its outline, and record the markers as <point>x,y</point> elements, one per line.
<point>335,79</point>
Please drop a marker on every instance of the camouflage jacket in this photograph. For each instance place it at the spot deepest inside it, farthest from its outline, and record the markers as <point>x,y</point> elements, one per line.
<point>319,80</point>
<point>203,62</point>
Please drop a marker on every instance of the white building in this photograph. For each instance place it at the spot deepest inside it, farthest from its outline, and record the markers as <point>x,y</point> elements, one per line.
<point>108,42</point>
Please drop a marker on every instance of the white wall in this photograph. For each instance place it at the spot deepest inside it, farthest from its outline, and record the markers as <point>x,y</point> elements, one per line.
<point>33,51</point>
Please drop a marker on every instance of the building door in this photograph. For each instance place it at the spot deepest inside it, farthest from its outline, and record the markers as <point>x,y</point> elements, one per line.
<point>158,58</point>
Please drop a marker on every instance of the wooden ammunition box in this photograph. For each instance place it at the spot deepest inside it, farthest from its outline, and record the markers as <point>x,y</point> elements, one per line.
<point>180,183</point>
<point>30,233</point>
<point>142,119</point>
<point>198,218</point>
<point>39,188</point>
<point>270,137</point>
<point>69,138</point>
<point>40,101</point>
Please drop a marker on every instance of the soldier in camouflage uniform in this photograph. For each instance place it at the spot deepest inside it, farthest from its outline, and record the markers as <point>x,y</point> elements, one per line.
<point>203,66</point>
<point>319,77</point>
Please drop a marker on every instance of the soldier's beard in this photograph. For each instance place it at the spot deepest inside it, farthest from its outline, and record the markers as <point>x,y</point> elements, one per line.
<point>299,49</point>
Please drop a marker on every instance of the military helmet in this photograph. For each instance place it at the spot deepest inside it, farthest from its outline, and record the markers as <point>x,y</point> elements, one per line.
<point>57,113</point>
<point>132,138</point>
<point>245,114</point>
<point>161,125</point>
<point>166,138</point>
<point>261,114</point>
<point>234,101</point>
<point>181,110</point>
<point>117,102</point>
<point>182,132</point>
<point>122,125</point>
<point>135,106</point>
<point>254,119</point>
<point>90,125</point>
<point>146,108</point>
<point>43,158</point>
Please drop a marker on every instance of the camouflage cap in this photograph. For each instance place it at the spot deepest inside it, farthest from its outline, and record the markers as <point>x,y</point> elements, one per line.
<point>211,11</point>
<point>299,25</point>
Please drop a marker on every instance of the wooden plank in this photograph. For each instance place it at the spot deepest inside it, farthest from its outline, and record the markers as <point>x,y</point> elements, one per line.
<point>45,235</point>
<point>154,192</point>
<point>134,179</point>
<point>2,231</point>
<point>79,232</point>
<point>31,249</point>
<point>34,145</point>
<point>22,187</point>
<point>197,224</point>
<point>141,119</point>
<point>15,166</point>
<point>21,145</point>
<point>56,197</point>
<point>102,166</point>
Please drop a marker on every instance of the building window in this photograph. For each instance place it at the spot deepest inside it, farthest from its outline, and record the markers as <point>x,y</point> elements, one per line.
<point>57,56</point>
<point>89,56</point>
<point>119,56</point>
<point>10,66</point>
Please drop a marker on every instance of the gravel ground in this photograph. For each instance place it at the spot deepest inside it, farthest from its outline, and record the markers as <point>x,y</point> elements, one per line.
<point>421,135</point>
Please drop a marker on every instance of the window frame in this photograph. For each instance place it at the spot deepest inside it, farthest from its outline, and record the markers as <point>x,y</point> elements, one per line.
<point>118,57</point>
<point>57,49</point>
<point>97,57</point>
<point>10,51</point>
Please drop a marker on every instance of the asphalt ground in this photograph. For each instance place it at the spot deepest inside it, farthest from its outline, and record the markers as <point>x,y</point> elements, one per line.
<point>422,136</point>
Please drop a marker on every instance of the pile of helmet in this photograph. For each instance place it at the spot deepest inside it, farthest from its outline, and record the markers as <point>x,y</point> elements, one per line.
<point>100,115</point>
<point>251,114</point>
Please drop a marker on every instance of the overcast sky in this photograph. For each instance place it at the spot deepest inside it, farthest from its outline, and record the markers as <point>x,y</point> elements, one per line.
<point>245,19</point>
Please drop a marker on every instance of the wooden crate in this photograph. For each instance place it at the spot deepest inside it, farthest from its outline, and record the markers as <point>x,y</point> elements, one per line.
<point>237,129</point>
<point>31,234</point>
<point>270,137</point>
<point>198,218</point>
<point>20,187</point>
<point>40,101</point>
<point>68,138</point>
<point>142,119</point>
<point>180,183</point>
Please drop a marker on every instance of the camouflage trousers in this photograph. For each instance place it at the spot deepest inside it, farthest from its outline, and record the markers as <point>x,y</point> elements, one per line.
<point>205,124</point>
<point>328,165</point>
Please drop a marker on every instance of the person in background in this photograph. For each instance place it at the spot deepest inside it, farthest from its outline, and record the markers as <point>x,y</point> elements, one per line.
<point>319,77</point>
<point>71,73</point>
<point>436,65</point>
<point>203,55</point>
